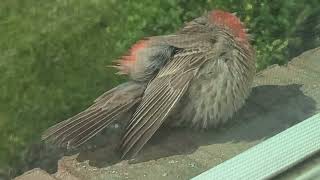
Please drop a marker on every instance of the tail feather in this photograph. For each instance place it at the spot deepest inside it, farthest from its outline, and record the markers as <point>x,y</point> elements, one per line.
<point>64,127</point>
<point>64,124</point>
<point>107,108</point>
<point>98,126</point>
<point>82,126</point>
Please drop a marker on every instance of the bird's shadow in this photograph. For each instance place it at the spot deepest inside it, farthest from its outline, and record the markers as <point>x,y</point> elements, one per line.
<point>269,110</point>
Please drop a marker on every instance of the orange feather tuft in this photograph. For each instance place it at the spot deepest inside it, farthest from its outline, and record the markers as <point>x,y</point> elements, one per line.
<point>126,62</point>
<point>230,21</point>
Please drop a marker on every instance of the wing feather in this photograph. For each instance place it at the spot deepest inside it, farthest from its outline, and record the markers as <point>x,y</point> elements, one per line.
<point>161,96</point>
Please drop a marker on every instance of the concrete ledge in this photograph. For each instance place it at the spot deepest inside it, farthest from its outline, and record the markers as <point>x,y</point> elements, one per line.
<point>35,174</point>
<point>273,156</point>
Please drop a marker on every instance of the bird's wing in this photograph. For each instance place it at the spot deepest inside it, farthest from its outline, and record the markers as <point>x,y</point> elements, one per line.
<point>184,41</point>
<point>160,97</point>
<point>78,129</point>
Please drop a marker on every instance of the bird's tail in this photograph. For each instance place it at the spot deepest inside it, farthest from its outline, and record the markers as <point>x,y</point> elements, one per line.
<point>78,129</point>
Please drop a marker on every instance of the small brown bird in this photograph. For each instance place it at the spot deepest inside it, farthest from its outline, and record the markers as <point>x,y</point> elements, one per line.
<point>198,77</point>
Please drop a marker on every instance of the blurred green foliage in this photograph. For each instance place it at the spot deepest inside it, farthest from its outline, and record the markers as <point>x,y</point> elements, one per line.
<point>53,53</point>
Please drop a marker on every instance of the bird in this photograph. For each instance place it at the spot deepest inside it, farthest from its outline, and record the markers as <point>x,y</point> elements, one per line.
<point>197,77</point>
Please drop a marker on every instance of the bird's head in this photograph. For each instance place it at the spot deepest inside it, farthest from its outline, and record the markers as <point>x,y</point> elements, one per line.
<point>229,21</point>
